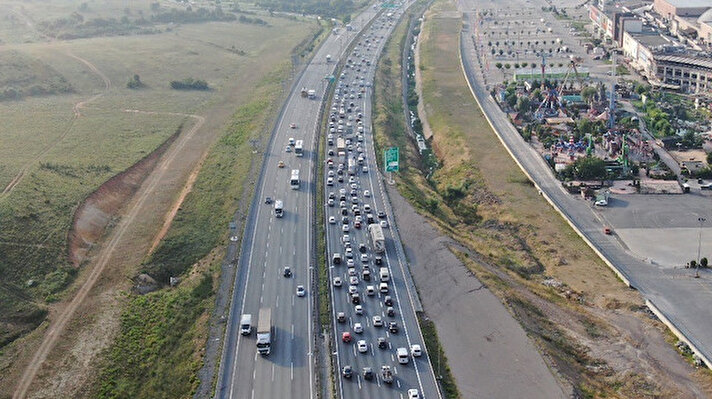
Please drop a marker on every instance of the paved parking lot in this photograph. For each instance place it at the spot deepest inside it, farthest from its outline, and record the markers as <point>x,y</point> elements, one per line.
<point>661,229</point>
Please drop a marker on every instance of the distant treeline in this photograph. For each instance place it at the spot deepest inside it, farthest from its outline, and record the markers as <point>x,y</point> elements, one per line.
<point>330,9</point>
<point>190,16</point>
<point>75,27</point>
<point>189,84</point>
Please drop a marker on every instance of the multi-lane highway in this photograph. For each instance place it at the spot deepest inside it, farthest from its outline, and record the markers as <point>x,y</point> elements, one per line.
<point>270,244</point>
<point>352,194</point>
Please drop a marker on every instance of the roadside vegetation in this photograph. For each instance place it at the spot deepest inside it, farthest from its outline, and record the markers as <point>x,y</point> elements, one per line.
<point>570,304</point>
<point>162,332</point>
<point>23,76</point>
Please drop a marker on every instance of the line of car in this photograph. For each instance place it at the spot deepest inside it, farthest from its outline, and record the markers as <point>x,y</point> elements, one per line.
<point>347,162</point>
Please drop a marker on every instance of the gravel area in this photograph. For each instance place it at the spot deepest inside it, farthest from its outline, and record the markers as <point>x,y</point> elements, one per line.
<point>488,351</point>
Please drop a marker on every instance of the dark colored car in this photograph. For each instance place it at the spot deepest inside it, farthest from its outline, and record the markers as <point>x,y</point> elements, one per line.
<point>287,272</point>
<point>382,343</point>
<point>388,300</point>
<point>378,259</point>
<point>381,215</point>
<point>367,373</point>
<point>393,327</point>
<point>268,200</point>
<point>390,311</point>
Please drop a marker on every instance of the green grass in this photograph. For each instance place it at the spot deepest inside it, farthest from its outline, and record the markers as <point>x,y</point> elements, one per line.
<point>154,354</point>
<point>69,158</point>
<point>157,353</point>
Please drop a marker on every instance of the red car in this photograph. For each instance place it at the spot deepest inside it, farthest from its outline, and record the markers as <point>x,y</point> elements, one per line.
<point>607,230</point>
<point>346,337</point>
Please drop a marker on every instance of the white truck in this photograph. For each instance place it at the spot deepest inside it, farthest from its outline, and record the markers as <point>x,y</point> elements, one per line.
<point>278,208</point>
<point>264,332</point>
<point>246,324</point>
<point>311,94</point>
<point>378,240</point>
<point>384,274</point>
<point>340,144</point>
<point>328,58</point>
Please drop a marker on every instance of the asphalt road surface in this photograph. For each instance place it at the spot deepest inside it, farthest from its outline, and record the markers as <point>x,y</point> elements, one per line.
<point>676,294</point>
<point>272,243</point>
<point>417,373</point>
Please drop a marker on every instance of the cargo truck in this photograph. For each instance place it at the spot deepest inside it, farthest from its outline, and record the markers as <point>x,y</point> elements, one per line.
<point>264,332</point>
<point>378,240</point>
<point>340,144</point>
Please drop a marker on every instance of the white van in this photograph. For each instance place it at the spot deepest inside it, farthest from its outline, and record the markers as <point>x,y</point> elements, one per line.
<point>383,273</point>
<point>383,288</point>
<point>246,324</point>
<point>402,354</point>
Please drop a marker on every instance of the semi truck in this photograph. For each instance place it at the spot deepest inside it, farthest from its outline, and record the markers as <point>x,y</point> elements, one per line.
<point>264,332</point>
<point>378,240</point>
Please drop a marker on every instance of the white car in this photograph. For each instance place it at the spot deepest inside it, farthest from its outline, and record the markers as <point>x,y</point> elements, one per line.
<point>377,321</point>
<point>366,208</point>
<point>330,202</point>
<point>349,252</point>
<point>330,181</point>
<point>364,258</point>
<point>358,328</point>
<point>352,271</point>
<point>383,224</point>
<point>353,280</point>
<point>362,346</point>
<point>332,220</point>
<point>413,394</point>
<point>350,262</point>
<point>353,289</point>
<point>301,291</point>
<point>366,193</point>
<point>358,309</point>
<point>337,281</point>
<point>345,238</point>
<point>415,350</point>
<point>345,228</point>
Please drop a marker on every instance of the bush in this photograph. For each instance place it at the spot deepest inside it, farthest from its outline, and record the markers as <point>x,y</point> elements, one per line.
<point>189,84</point>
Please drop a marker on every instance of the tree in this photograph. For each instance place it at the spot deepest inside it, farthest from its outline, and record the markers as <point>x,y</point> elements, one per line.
<point>524,64</point>
<point>507,66</point>
<point>523,104</point>
<point>709,158</point>
<point>587,93</point>
<point>134,82</point>
<point>589,168</point>
<point>516,65</point>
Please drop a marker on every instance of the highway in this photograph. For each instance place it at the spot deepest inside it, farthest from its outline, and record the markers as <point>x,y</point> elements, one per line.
<point>673,294</point>
<point>417,373</point>
<point>269,244</point>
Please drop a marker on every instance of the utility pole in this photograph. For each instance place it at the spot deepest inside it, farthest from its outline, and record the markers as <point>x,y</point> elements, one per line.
<point>699,247</point>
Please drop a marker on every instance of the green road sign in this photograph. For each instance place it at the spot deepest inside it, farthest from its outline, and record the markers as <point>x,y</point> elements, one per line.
<point>389,5</point>
<point>391,159</point>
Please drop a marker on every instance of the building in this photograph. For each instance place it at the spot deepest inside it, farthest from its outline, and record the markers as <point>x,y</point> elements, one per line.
<point>613,22</point>
<point>638,48</point>
<point>681,8</point>
<point>690,74</point>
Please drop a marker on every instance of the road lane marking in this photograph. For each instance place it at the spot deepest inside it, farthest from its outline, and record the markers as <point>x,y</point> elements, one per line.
<point>272,372</point>
<point>291,370</point>
<point>276,302</point>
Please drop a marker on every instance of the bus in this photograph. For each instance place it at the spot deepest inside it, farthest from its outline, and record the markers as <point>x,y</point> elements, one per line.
<point>294,180</point>
<point>299,148</point>
<point>278,208</point>
<point>378,240</point>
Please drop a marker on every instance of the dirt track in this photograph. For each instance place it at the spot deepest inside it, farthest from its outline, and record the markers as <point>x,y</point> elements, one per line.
<point>105,254</point>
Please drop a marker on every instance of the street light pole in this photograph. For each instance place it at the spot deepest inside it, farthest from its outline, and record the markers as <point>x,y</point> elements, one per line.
<point>699,247</point>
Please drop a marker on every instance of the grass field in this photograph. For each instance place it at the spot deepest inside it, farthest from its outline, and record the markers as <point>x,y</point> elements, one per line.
<point>516,241</point>
<point>61,157</point>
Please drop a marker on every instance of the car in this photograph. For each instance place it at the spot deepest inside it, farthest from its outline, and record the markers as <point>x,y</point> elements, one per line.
<point>330,202</point>
<point>287,272</point>
<point>349,252</point>
<point>288,149</point>
<point>350,262</point>
<point>378,259</point>
<point>393,327</point>
<point>367,208</point>
<point>390,311</point>
<point>330,173</point>
<point>377,321</point>
<point>358,309</point>
<point>268,200</point>
<point>362,248</point>
<point>332,220</point>
<point>358,328</point>
<point>336,258</point>
<point>413,394</point>
<point>367,373</point>
<point>337,282</point>
<point>607,231</point>
<point>352,271</point>
<point>370,290</point>
<point>346,238</point>
<point>357,225</point>
<point>341,317</point>
<point>345,228</point>
<point>366,193</point>
<point>388,300</point>
<point>382,343</point>
<point>364,258</point>
<point>381,215</point>
<point>353,289</point>
<point>301,291</point>
<point>383,224</point>
<point>234,238</point>
<point>347,371</point>
<point>356,299</point>
<point>415,350</point>
<point>353,280</point>
<point>330,181</point>
<point>362,346</point>
<point>280,164</point>
<point>293,125</point>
